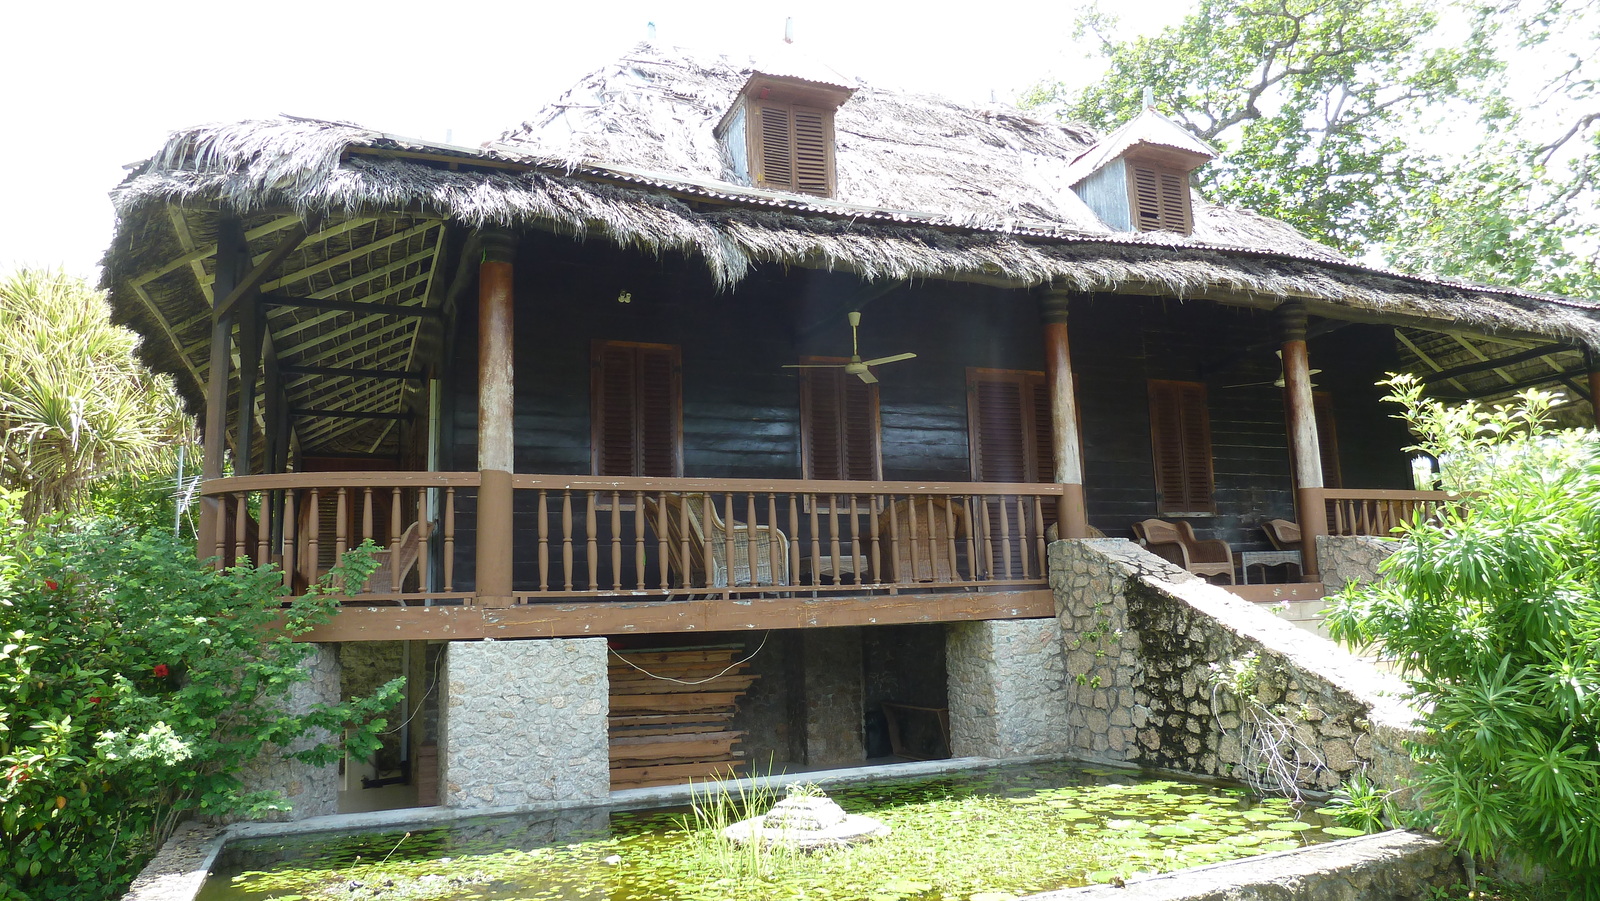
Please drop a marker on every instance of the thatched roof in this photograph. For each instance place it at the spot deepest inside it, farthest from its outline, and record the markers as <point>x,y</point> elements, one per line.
<point>927,189</point>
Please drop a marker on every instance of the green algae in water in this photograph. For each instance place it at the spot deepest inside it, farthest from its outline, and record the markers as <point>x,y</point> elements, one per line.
<point>992,834</point>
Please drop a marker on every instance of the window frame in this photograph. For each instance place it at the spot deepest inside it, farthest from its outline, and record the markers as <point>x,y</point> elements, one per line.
<point>597,414</point>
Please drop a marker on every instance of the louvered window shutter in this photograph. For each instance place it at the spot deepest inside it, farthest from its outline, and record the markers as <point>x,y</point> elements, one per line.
<point>1159,199</point>
<point>637,403</point>
<point>1009,413</point>
<point>840,426</point>
<point>1180,439</point>
<point>794,148</point>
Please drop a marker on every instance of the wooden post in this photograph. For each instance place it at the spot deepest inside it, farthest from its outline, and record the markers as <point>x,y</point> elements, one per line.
<point>250,315</point>
<point>1065,443</point>
<point>1591,361</point>
<point>233,258</point>
<point>1311,512</point>
<point>496,409</point>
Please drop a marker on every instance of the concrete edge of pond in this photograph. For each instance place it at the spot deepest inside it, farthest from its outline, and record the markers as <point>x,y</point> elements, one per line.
<point>1387,866</point>
<point>178,871</point>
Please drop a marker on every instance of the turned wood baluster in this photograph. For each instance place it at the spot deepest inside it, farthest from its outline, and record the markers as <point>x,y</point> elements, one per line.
<point>394,537</point>
<point>566,536</point>
<point>794,539</point>
<point>772,544</point>
<point>855,540</point>
<point>894,540</point>
<point>988,537</point>
<point>639,515</point>
<point>750,533</point>
<point>366,513</point>
<point>877,551</point>
<point>591,538</point>
<point>1022,537</point>
<point>972,537</point>
<point>950,539</point>
<point>450,538</point>
<point>1039,539</point>
<point>543,531</point>
<point>219,536</point>
<point>728,540</point>
<point>662,549</point>
<point>833,536</point>
<point>341,526</point>
<point>264,532</point>
<point>424,532</point>
<point>291,553</point>
<point>241,518</point>
<point>685,542</point>
<point>709,542</point>
<point>616,541</point>
<point>911,536</point>
<point>816,541</point>
<point>313,533</point>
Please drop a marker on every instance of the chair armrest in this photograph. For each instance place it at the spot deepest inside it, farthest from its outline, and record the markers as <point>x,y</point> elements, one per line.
<point>1171,551</point>
<point>1213,550</point>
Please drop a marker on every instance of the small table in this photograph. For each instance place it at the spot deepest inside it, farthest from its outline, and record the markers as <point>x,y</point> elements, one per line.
<point>1248,559</point>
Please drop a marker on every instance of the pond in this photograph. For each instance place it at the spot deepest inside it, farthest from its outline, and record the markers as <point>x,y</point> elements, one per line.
<point>985,835</point>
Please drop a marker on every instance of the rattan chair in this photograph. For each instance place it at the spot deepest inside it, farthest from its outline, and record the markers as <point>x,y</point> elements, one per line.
<point>771,545</point>
<point>1175,541</point>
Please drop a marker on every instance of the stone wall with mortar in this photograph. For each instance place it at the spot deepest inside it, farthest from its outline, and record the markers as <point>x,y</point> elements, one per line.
<point>310,791</point>
<point>825,675</point>
<point>1141,638</point>
<point>1344,559</point>
<point>364,667</point>
<point>1008,696</point>
<point>524,722</point>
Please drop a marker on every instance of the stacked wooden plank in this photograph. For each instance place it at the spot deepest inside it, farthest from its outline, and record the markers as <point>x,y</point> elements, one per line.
<point>671,714</point>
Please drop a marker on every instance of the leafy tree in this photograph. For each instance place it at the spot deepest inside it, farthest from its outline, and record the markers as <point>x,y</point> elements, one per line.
<point>1309,101</point>
<point>75,404</point>
<point>1492,611</point>
<point>136,686</point>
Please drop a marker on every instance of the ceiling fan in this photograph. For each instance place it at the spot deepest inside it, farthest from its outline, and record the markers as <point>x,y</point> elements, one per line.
<point>861,369</point>
<point>1279,381</point>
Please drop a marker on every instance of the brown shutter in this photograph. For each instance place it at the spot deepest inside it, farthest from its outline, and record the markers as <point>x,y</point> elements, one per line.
<point>636,400</point>
<point>812,138</point>
<point>1180,443</point>
<point>1146,199</point>
<point>999,433</point>
<point>1044,469</point>
<point>1159,199</point>
<point>839,425</point>
<point>776,157</point>
<point>1175,202</point>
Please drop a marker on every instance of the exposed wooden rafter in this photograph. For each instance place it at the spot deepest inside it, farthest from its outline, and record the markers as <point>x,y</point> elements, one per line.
<point>253,282</point>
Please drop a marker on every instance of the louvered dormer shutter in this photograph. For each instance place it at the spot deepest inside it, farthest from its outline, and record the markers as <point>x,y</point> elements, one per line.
<point>1159,198</point>
<point>1180,444</point>
<point>636,409</point>
<point>792,148</point>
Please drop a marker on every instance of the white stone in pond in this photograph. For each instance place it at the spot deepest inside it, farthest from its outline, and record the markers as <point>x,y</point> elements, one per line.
<point>806,823</point>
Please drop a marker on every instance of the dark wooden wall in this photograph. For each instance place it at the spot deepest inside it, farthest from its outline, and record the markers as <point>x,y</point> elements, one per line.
<point>740,408</point>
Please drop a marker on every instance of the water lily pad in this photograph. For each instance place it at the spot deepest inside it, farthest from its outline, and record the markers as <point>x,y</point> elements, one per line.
<point>1281,846</point>
<point>1273,835</point>
<point>1261,816</point>
<point>1246,840</point>
<point>1292,825</point>
<point>1173,830</point>
<point>1133,826</point>
<point>1343,831</point>
<point>1103,876</point>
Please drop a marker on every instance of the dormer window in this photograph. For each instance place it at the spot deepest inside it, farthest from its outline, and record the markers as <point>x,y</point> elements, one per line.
<point>779,134</point>
<point>1136,179</point>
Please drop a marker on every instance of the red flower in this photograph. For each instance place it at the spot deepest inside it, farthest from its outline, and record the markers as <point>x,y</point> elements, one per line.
<point>51,584</point>
<point>95,699</point>
<point>161,671</point>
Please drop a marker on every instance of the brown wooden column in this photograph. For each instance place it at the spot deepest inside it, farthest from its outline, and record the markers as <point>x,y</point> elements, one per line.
<point>1304,449</point>
<point>496,444</point>
<point>1591,362</point>
<point>1065,443</point>
<point>233,260</point>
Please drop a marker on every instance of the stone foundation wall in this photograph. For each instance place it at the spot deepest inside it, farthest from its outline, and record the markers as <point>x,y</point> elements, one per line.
<point>524,722</point>
<point>1143,639</point>
<point>826,702</point>
<point>310,791</point>
<point>1006,686</point>
<point>1355,558</point>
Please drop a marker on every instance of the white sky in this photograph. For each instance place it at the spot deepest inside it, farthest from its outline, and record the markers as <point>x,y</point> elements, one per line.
<point>88,86</point>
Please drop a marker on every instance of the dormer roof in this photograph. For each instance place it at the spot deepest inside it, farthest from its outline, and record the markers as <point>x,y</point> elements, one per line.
<point>1149,134</point>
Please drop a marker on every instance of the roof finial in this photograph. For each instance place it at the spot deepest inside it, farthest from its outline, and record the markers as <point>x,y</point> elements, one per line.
<point>649,31</point>
<point>1149,97</point>
<point>788,30</point>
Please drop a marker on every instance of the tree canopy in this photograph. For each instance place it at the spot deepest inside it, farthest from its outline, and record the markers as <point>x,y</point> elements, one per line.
<point>1447,137</point>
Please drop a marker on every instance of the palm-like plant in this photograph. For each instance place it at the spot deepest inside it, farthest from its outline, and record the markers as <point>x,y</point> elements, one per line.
<point>76,405</point>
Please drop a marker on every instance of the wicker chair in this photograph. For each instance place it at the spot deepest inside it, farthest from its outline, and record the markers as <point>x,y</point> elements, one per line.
<point>932,537</point>
<point>396,563</point>
<point>1175,541</point>
<point>1284,534</point>
<point>771,545</point>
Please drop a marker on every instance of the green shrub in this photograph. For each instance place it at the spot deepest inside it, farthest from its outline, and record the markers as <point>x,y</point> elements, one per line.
<point>135,685</point>
<point>1492,610</point>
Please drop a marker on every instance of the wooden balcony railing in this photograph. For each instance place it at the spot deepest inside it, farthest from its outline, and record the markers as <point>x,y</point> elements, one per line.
<point>1376,512</point>
<point>598,538</point>
<point>303,522</point>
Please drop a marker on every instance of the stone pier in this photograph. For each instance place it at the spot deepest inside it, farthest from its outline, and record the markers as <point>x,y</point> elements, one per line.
<point>525,722</point>
<point>310,791</point>
<point>1007,694</point>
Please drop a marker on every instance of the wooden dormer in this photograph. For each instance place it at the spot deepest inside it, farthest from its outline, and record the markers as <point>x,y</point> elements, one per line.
<point>779,134</point>
<point>1137,178</point>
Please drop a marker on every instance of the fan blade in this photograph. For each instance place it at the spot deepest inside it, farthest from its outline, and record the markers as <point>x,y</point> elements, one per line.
<point>815,365</point>
<point>866,375</point>
<point>882,360</point>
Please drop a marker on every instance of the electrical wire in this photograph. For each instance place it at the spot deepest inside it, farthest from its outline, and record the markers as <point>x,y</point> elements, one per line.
<point>732,666</point>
